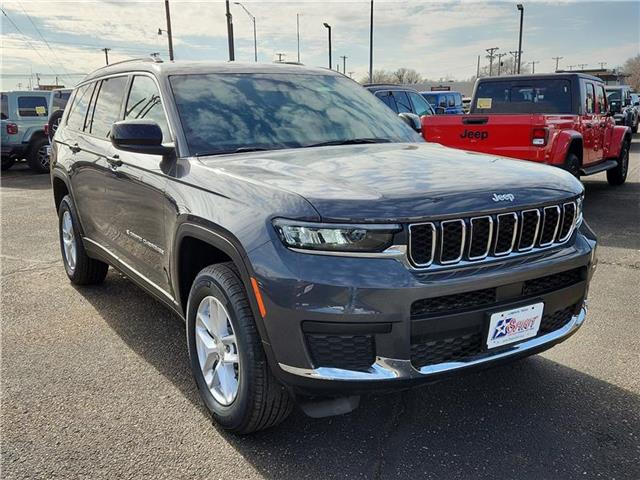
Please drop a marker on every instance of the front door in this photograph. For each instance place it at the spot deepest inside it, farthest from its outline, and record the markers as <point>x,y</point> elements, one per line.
<point>589,124</point>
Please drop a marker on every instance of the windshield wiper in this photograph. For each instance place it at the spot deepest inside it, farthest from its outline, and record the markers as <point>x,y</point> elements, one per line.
<point>235,150</point>
<point>349,141</point>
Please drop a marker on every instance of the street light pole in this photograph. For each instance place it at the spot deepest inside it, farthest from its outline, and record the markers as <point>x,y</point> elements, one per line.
<point>255,40</point>
<point>328,27</point>
<point>371,46</point>
<point>232,55</point>
<point>298,33</point>
<point>344,63</point>
<point>166,8</point>
<point>521,8</point>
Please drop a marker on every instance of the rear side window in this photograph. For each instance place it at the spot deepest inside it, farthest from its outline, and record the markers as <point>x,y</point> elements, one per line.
<point>451,100</point>
<point>106,110</point>
<point>388,100</point>
<point>523,96</point>
<point>402,100</point>
<point>144,103</point>
<point>457,98</point>
<point>4,107</point>
<point>442,101</point>
<point>32,106</point>
<point>78,110</point>
<point>590,101</point>
<point>601,99</point>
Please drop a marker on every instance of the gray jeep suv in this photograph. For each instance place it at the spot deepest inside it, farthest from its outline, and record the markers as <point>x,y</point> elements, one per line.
<point>316,247</point>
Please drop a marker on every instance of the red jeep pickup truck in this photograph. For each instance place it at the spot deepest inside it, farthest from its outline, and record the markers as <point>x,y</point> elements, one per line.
<point>559,119</point>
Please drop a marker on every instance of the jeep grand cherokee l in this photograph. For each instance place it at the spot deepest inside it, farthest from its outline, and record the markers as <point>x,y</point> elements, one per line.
<point>316,247</point>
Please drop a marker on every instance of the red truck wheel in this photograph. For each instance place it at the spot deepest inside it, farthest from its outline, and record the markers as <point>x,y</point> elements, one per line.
<point>572,165</point>
<point>617,176</point>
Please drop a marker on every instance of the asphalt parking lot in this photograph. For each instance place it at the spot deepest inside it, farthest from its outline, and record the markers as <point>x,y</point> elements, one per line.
<point>96,383</point>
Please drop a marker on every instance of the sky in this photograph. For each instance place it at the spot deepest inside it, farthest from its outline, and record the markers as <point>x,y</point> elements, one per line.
<point>441,40</point>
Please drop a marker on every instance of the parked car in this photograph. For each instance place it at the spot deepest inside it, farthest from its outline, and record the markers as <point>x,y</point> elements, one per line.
<point>23,114</point>
<point>401,99</point>
<point>57,103</point>
<point>446,102</point>
<point>620,104</point>
<point>315,245</point>
<point>559,119</point>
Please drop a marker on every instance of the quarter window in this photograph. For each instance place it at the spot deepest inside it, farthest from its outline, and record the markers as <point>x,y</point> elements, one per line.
<point>144,103</point>
<point>106,110</point>
<point>78,110</point>
<point>32,106</point>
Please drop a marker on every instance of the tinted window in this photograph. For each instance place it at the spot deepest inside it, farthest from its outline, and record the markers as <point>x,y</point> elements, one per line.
<point>442,101</point>
<point>432,99</point>
<point>4,107</point>
<point>601,99</point>
<point>32,106</point>
<point>590,101</point>
<point>60,100</point>
<point>388,100</point>
<point>106,110</point>
<point>144,102</point>
<point>224,112</point>
<point>402,100</point>
<point>457,98</point>
<point>523,96</point>
<point>420,105</point>
<point>78,110</point>
<point>451,100</point>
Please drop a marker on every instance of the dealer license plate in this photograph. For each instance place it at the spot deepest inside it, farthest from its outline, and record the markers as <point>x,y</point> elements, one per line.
<point>514,325</point>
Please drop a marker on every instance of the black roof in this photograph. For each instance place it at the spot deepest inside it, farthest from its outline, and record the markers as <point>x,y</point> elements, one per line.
<point>193,67</point>
<point>567,75</point>
<point>376,87</point>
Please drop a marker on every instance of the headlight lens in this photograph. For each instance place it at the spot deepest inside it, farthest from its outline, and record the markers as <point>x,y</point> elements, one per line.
<point>335,238</point>
<point>579,201</point>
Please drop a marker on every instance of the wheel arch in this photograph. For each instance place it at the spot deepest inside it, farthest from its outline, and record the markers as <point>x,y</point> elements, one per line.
<point>60,189</point>
<point>566,142</point>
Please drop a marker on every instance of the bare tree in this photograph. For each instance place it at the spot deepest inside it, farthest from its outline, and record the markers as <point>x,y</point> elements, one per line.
<point>632,68</point>
<point>407,76</point>
<point>380,76</point>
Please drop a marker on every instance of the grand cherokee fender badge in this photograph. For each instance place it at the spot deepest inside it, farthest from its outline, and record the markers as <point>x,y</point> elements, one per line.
<point>145,242</point>
<point>503,197</point>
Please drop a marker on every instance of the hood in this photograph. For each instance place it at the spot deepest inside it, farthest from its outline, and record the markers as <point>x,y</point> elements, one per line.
<point>400,182</point>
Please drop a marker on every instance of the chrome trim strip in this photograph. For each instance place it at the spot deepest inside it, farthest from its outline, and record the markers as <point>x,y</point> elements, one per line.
<point>573,220</point>
<point>140,275</point>
<point>535,235</point>
<point>394,251</point>
<point>392,368</point>
<point>544,221</point>
<point>489,239</point>
<point>513,239</point>
<point>433,244</point>
<point>462,242</point>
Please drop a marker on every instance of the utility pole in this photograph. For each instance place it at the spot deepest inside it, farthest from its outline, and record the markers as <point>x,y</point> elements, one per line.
<point>371,46</point>
<point>351,74</point>
<point>280,55</point>
<point>582,66</point>
<point>533,65</point>
<point>557,59</point>
<point>255,40</point>
<point>521,8</point>
<point>106,55</point>
<point>298,33</point>
<point>602,64</point>
<point>491,52</point>
<point>571,67</point>
<point>500,55</point>
<point>232,55</point>
<point>344,63</point>
<point>514,54</point>
<point>478,68</point>
<point>328,27</point>
<point>166,7</point>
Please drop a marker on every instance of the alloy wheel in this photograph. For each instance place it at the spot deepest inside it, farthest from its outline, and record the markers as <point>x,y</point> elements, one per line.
<point>69,241</point>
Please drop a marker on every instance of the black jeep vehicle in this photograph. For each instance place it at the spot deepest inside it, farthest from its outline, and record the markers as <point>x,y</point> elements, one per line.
<point>315,245</point>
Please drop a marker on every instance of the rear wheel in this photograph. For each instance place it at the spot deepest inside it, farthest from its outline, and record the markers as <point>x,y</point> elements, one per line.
<point>227,357</point>
<point>80,268</point>
<point>572,165</point>
<point>617,176</point>
<point>7,163</point>
<point>38,157</point>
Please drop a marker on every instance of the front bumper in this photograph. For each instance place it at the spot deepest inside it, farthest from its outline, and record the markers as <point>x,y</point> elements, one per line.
<point>306,296</point>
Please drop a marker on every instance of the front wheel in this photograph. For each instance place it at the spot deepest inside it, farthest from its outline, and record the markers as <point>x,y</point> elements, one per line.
<point>38,156</point>
<point>617,176</point>
<point>226,354</point>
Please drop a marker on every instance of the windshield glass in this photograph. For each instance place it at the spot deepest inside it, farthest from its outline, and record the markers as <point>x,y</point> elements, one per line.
<point>614,95</point>
<point>222,113</point>
<point>523,96</point>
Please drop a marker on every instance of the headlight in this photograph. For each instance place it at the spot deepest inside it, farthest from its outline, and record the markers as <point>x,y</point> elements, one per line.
<point>334,237</point>
<point>579,201</point>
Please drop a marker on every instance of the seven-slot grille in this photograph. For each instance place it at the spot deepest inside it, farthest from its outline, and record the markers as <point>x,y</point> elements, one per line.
<point>450,241</point>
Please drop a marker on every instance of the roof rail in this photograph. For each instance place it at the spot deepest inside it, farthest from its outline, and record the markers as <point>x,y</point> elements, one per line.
<point>141,59</point>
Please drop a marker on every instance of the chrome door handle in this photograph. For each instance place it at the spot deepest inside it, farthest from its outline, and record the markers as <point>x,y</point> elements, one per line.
<point>114,161</point>
<point>74,148</point>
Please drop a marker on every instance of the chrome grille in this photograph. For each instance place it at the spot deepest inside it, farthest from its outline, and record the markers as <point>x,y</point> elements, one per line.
<point>472,239</point>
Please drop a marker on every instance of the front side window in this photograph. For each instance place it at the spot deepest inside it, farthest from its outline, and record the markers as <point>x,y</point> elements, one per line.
<point>402,100</point>
<point>79,106</point>
<point>451,100</point>
<point>4,107</point>
<point>221,113</point>
<point>590,99</point>
<point>442,101</point>
<point>106,109</point>
<point>552,96</point>
<point>602,99</point>
<point>420,105</point>
<point>144,103</point>
<point>32,106</point>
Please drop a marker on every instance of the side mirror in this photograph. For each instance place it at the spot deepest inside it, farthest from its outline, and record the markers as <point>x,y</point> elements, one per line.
<point>440,111</point>
<point>412,120</point>
<point>139,136</point>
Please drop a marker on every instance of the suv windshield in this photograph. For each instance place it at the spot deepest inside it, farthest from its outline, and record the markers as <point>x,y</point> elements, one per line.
<point>523,96</point>
<point>223,113</point>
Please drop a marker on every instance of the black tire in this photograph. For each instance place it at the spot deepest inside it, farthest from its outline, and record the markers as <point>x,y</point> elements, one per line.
<point>572,165</point>
<point>54,121</point>
<point>634,129</point>
<point>86,271</point>
<point>7,163</point>
<point>617,176</point>
<point>37,158</point>
<point>260,402</point>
